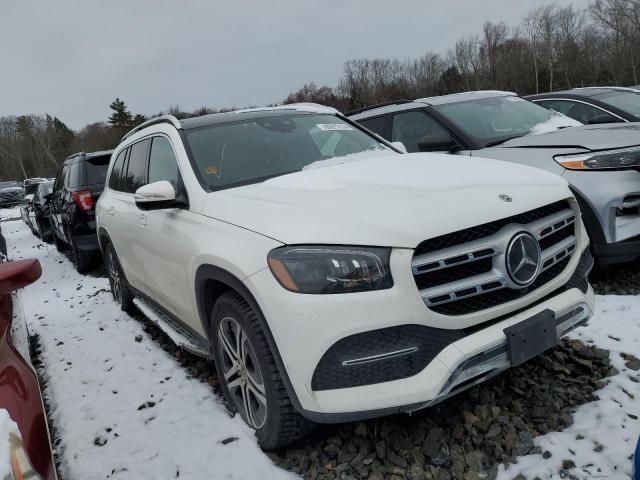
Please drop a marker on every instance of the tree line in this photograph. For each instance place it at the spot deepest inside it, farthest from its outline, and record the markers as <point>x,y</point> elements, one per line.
<point>554,47</point>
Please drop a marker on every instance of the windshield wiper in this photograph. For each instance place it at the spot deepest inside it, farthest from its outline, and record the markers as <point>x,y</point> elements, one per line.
<point>499,142</point>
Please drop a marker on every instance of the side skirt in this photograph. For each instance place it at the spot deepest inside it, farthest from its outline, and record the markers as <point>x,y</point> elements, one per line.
<point>179,333</point>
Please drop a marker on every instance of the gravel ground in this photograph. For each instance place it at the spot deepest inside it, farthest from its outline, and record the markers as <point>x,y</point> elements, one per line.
<point>467,436</point>
<point>623,279</point>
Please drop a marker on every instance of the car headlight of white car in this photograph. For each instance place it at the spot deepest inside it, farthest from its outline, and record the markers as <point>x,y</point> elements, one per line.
<point>606,160</point>
<point>318,269</point>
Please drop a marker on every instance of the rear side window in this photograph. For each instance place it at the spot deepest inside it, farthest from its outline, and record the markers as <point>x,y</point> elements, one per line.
<point>116,172</point>
<point>96,168</point>
<point>162,162</point>
<point>77,177</point>
<point>137,166</point>
<point>59,185</point>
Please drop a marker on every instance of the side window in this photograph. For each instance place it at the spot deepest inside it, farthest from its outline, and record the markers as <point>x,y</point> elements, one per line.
<point>580,111</point>
<point>137,166</point>
<point>376,125</point>
<point>116,171</point>
<point>414,128</point>
<point>163,164</point>
<point>60,179</point>
<point>560,106</point>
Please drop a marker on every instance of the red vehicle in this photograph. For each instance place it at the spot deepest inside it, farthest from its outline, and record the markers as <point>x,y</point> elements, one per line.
<point>30,450</point>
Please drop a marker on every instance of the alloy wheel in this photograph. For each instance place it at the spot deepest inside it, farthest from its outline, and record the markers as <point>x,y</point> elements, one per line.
<point>242,373</point>
<point>114,275</point>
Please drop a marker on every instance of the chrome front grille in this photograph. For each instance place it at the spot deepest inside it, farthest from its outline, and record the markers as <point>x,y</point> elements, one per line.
<point>465,271</point>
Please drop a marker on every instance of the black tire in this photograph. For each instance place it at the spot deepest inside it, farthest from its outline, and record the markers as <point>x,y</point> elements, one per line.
<point>60,245</point>
<point>282,424</point>
<point>119,287</point>
<point>83,260</point>
<point>44,234</point>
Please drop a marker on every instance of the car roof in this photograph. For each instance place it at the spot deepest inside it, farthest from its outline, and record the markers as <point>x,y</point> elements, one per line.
<point>85,155</point>
<point>400,105</point>
<point>234,116</point>
<point>584,92</point>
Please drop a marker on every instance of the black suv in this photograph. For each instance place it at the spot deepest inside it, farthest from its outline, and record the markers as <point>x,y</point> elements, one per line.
<point>77,187</point>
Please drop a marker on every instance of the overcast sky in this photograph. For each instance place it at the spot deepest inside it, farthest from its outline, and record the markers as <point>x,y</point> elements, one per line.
<point>72,58</point>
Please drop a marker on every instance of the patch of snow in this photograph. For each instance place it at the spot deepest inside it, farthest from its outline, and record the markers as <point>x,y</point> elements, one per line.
<point>8,214</point>
<point>611,423</point>
<point>353,157</point>
<point>123,408</point>
<point>555,122</point>
<point>7,426</point>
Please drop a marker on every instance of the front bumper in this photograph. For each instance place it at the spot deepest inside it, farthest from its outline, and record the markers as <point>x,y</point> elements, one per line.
<point>305,327</point>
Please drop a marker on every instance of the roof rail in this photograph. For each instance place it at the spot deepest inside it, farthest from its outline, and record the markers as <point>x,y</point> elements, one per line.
<point>378,105</point>
<point>154,121</point>
<point>623,89</point>
<point>300,106</point>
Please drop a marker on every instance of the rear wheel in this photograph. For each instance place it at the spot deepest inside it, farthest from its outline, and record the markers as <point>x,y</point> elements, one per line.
<point>119,287</point>
<point>83,260</point>
<point>60,245</point>
<point>45,233</point>
<point>249,376</point>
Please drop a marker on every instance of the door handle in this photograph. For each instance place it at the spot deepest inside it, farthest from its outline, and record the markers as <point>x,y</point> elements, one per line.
<point>142,220</point>
<point>111,211</point>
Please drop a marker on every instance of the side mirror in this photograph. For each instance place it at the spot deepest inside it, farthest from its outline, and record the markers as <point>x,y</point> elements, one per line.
<point>156,195</point>
<point>400,146</point>
<point>438,143</point>
<point>18,274</point>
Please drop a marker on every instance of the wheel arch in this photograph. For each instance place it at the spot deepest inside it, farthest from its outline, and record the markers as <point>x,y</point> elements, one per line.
<point>210,283</point>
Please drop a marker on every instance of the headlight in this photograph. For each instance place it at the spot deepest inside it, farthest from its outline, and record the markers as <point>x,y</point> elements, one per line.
<point>328,269</point>
<point>612,159</point>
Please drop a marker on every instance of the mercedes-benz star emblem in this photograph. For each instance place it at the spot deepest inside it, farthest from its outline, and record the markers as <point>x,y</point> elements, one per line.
<point>523,259</point>
<point>505,198</point>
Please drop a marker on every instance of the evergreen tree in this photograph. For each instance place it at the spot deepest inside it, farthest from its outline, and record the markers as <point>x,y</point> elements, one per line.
<point>138,119</point>
<point>121,117</point>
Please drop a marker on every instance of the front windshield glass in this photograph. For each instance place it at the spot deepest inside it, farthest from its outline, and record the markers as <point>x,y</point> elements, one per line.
<point>626,101</point>
<point>490,121</point>
<point>251,151</point>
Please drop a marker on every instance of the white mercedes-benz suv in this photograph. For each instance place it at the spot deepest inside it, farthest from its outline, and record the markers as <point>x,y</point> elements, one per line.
<point>329,276</point>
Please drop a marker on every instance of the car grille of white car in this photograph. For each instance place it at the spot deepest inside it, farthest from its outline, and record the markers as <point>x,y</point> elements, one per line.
<point>464,272</point>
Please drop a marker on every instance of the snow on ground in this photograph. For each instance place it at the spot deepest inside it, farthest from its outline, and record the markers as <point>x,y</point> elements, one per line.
<point>122,408</point>
<point>126,409</point>
<point>7,426</point>
<point>605,432</point>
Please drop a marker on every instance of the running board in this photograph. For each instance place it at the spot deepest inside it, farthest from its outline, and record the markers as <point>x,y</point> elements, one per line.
<point>182,337</point>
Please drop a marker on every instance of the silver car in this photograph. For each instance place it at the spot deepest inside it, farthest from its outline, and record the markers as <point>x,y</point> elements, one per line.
<point>600,162</point>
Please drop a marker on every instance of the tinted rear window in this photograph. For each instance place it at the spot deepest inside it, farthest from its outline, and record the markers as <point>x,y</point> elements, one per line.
<point>77,177</point>
<point>97,169</point>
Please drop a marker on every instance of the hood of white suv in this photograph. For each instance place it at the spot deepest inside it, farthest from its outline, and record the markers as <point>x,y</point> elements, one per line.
<point>389,200</point>
<point>589,137</point>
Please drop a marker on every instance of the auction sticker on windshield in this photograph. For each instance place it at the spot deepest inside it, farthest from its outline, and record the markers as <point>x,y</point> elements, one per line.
<point>334,126</point>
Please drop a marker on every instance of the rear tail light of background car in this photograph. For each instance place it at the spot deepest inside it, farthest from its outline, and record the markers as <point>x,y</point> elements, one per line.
<point>84,200</point>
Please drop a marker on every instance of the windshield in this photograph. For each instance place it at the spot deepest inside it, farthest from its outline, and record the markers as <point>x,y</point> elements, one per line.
<point>493,120</point>
<point>626,101</point>
<point>240,153</point>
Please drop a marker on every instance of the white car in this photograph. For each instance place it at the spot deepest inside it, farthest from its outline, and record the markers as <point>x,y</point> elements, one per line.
<point>330,277</point>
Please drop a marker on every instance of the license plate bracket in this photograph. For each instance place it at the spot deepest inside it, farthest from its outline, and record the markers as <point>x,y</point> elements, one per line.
<point>531,337</point>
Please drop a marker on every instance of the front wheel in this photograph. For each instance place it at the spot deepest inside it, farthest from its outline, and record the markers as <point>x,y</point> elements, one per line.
<point>249,376</point>
<point>119,287</point>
